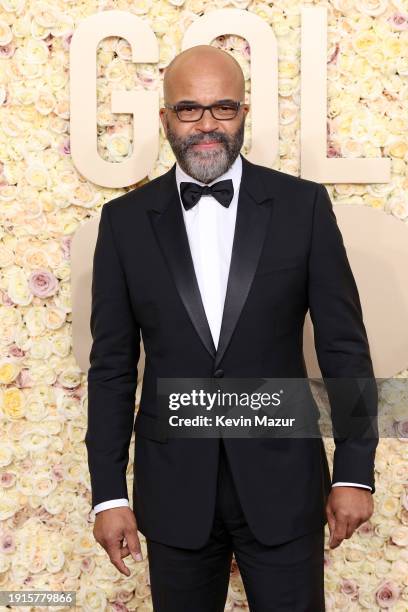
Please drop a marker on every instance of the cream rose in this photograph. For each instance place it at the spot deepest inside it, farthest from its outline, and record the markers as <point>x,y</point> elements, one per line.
<point>9,370</point>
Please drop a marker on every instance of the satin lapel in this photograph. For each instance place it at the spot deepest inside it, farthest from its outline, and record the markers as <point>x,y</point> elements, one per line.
<point>171,234</point>
<point>253,215</point>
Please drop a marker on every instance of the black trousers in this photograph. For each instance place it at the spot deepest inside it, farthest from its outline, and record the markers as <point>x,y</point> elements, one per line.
<point>287,577</point>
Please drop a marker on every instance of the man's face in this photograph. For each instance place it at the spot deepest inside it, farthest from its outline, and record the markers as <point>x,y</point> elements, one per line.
<point>204,149</point>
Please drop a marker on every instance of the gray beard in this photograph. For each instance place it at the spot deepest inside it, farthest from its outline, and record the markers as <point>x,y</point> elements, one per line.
<point>206,166</point>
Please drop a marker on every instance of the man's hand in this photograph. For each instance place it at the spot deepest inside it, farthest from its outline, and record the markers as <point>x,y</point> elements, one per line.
<point>347,508</point>
<point>110,528</point>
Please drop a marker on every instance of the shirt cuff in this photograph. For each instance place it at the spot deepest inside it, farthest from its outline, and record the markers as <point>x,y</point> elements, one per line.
<point>351,484</point>
<point>111,503</point>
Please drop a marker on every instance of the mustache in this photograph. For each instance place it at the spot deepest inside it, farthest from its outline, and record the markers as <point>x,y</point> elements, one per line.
<point>205,141</point>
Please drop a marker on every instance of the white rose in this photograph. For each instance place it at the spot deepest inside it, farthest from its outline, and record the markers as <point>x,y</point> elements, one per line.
<point>343,5</point>
<point>40,348</point>
<point>68,407</point>
<point>61,345</point>
<point>54,559</point>
<point>84,195</point>
<point>36,51</point>
<point>398,205</point>
<point>44,486</point>
<point>18,288</point>
<point>9,505</point>
<point>22,19</point>
<point>56,80</point>
<point>118,146</point>
<point>10,324</point>
<point>6,35</point>
<point>116,70</point>
<point>141,7</point>
<point>6,453</point>
<point>351,148</point>
<point>6,256</point>
<point>55,503</point>
<point>23,94</point>
<point>35,410</point>
<point>400,411</point>
<point>58,125</point>
<point>399,535</point>
<point>45,102</point>
<point>365,43</point>
<point>45,14</point>
<point>372,7</point>
<point>54,318</point>
<point>70,377</point>
<point>401,65</point>
<point>104,116</point>
<point>65,25</point>
<point>13,6</point>
<point>34,319</point>
<point>38,32</point>
<point>43,372</point>
<point>33,442</point>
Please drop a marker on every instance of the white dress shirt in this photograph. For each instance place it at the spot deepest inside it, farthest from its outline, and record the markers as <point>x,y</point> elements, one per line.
<point>210,229</point>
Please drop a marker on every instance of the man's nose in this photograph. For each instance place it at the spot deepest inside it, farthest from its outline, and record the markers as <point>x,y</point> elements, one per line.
<point>207,122</point>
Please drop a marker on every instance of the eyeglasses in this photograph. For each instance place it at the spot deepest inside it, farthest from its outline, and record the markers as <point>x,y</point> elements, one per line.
<point>194,112</point>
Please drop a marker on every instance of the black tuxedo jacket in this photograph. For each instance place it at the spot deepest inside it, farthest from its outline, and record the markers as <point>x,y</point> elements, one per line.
<point>288,256</point>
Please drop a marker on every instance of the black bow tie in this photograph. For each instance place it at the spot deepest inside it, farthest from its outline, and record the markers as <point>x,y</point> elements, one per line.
<point>223,191</point>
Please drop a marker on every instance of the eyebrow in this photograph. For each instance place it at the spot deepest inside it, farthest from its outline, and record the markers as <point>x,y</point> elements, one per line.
<point>224,101</point>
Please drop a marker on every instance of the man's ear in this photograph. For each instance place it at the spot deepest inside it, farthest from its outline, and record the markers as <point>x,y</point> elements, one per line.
<point>163,119</point>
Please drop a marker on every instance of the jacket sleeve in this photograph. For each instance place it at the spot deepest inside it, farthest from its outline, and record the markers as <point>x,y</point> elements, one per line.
<point>342,348</point>
<point>112,375</point>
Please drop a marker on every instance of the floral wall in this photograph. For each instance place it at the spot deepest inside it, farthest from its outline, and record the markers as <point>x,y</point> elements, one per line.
<point>46,521</point>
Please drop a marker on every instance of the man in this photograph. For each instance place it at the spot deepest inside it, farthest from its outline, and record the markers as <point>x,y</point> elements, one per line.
<point>219,282</point>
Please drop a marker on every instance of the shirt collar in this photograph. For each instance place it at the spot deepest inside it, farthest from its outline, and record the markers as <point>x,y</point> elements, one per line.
<point>234,173</point>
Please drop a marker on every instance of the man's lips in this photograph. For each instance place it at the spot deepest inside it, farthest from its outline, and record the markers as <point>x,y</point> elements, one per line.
<point>206,145</point>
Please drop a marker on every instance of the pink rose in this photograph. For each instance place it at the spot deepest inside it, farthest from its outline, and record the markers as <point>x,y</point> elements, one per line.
<point>24,380</point>
<point>5,299</point>
<point>401,429</point>
<point>42,283</point>
<point>7,51</point>
<point>349,587</point>
<point>334,54</point>
<point>66,246</point>
<point>65,147</point>
<point>7,479</point>
<point>365,529</point>
<point>399,21</point>
<point>16,351</point>
<point>66,41</point>
<point>7,543</point>
<point>58,472</point>
<point>387,594</point>
<point>333,151</point>
<point>87,564</point>
<point>118,606</point>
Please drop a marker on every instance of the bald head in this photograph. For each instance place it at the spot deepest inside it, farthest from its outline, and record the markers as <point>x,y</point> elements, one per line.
<point>200,67</point>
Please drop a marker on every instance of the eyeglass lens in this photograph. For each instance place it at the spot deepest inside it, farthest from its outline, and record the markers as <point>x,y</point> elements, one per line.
<point>194,113</point>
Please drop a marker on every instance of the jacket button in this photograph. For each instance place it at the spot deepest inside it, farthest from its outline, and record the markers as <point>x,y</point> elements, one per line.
<point>219,373</point>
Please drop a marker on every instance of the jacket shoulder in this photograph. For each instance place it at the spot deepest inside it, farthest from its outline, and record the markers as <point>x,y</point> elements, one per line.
<point>135,199</point>
<point>285,181</point>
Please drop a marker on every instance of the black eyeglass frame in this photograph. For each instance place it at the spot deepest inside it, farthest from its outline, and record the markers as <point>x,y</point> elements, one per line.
<point>175,108</point>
